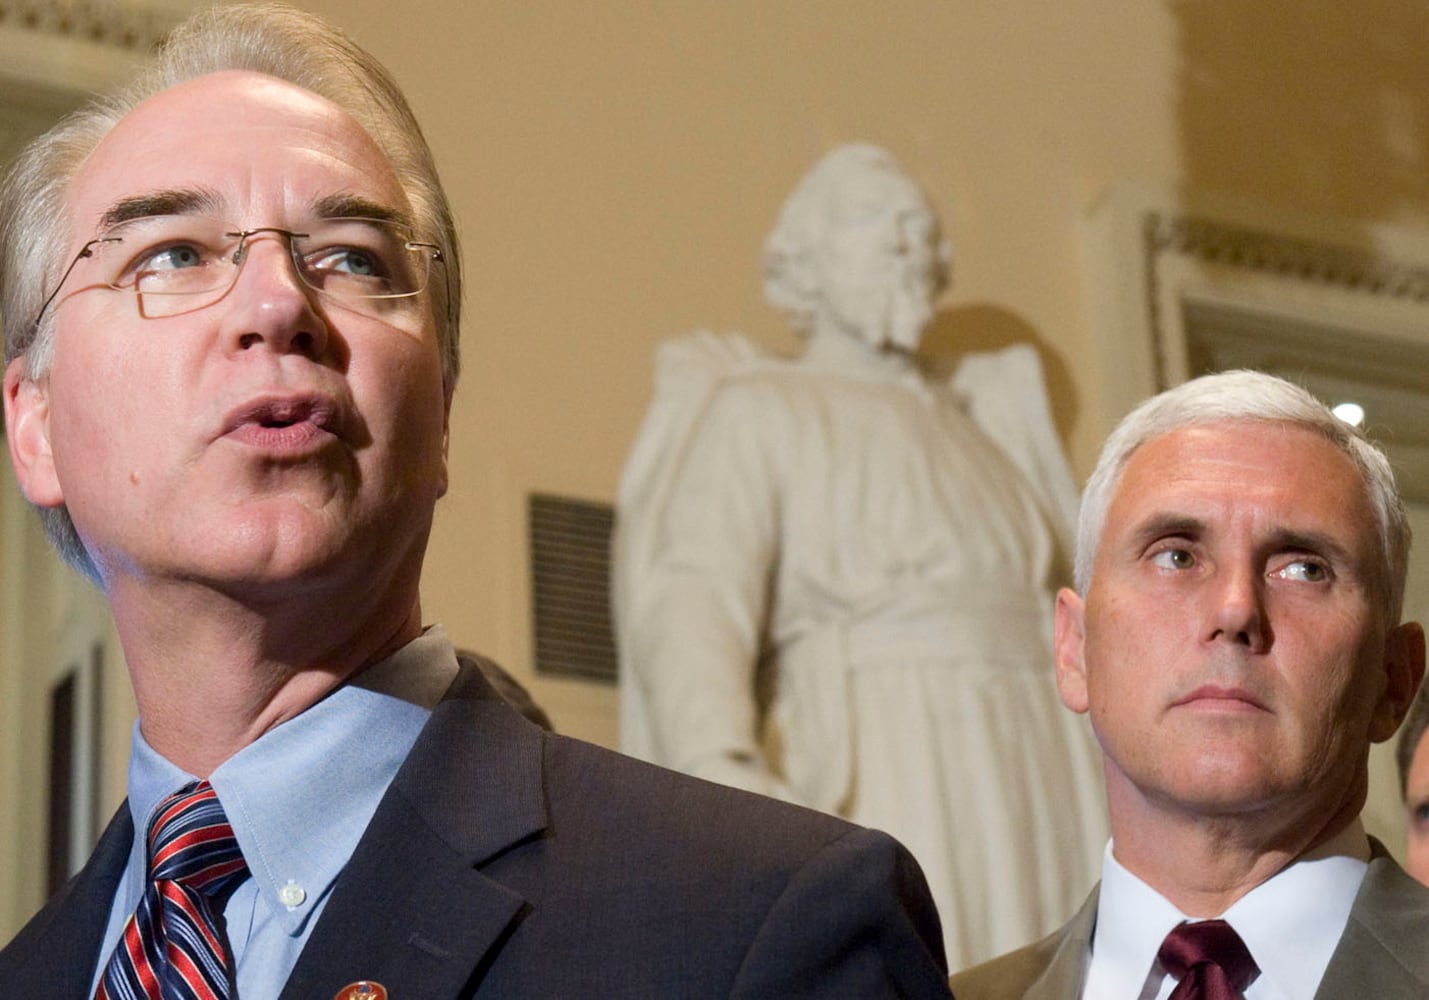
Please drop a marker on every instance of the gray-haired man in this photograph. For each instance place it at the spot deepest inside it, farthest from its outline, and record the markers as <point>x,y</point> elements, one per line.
<point>1235,636</point>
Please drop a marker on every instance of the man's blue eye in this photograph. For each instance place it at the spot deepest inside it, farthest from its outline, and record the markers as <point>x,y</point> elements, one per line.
<point>355,262</point>
<point>173,258</point>
<point>352,261</point>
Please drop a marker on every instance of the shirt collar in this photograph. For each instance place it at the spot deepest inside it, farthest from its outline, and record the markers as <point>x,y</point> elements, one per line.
<point>1132,921</point>
<point>1291,922</point>
<point>300,797</point>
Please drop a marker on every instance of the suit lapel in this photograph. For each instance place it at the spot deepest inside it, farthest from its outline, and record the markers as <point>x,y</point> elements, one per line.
<point>411,909</point>
<point>1382,952</point>
<point>57,953</point>
<point>1070,949</point>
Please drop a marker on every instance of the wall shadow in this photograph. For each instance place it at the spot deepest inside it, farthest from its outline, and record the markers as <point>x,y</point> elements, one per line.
<point>982,327</point>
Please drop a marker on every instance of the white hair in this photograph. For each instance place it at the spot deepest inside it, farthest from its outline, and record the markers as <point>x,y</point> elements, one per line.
<point>1246,396</point>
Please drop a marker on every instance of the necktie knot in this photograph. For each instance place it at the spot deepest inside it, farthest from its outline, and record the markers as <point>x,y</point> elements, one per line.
<point>1209,960</point>
<point>191,843</point>
<point>174,945</point>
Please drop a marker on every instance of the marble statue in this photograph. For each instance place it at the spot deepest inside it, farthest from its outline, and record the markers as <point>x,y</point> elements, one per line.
<point>834,575</point>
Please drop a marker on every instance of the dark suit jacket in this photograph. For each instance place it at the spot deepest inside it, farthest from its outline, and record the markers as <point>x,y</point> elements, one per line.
<point>1383,953</point>
<point>509,862</point>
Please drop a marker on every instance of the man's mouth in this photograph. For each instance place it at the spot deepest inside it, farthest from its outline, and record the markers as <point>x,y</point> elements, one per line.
<point>1227,696</point>
<point>288,424</point>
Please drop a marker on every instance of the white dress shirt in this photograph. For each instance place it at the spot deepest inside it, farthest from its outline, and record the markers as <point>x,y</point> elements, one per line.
<point>1291,924</point>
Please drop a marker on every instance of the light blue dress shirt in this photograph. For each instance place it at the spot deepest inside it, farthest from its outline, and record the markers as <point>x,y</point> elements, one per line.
<point>299,798</point>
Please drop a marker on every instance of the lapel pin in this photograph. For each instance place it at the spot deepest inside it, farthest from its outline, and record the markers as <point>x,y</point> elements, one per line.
<point>363,989</point>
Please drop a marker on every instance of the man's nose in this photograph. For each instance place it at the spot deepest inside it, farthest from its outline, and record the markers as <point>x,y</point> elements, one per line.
<point>272,306</point>
<point>1236,611</point>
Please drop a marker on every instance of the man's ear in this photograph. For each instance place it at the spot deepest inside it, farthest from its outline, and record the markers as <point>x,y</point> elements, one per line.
<point>1403,670</point>
<point>446,441</point>
<point>1068,648</point>
<point>27,432</point>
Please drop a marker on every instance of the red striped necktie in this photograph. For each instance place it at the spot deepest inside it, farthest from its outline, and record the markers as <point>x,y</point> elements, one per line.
<point>173,947</point>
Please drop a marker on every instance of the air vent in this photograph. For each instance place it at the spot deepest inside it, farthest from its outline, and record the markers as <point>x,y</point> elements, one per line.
<point>570,584</point>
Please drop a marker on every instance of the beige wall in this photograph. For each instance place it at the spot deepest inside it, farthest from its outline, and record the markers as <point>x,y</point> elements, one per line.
<point>616,165</point>
<point>615,168</point>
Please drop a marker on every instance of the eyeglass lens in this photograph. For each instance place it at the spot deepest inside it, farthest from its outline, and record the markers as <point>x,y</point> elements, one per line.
<point>179,263</point>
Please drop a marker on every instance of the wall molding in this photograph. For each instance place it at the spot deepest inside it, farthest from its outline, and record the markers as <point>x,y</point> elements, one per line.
<point>131,27</point>
<point>1152,254</point>
<point>1266,254</point>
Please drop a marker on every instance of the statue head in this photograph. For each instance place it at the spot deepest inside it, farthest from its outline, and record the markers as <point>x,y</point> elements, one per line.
<point>858,248</point>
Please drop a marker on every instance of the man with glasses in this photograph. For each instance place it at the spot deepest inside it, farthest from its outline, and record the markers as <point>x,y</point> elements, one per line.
<point>230,300</point>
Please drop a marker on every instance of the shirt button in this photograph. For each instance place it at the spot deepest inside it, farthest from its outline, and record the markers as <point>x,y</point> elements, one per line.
<point>292,894</point>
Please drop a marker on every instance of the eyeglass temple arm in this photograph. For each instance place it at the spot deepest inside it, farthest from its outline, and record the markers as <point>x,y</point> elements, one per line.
<point>85,251</point>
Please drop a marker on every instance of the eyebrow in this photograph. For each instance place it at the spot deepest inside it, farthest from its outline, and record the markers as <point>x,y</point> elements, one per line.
<point>202,201</point>
<point>1312,541</point>
<point>176,201</point>
<point>351,206</point>
<point>1162,525</point>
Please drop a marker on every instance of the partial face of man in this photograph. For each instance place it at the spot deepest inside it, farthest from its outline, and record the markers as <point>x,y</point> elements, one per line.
<point>877,259</point>
<point>273,437</point>
<point>1232,648</point>
<point>1416,800</point>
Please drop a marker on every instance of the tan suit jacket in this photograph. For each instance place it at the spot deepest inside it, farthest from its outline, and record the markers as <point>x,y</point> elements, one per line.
<point>1383,953</point>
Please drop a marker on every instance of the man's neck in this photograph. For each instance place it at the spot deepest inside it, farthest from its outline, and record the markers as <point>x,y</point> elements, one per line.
<point>212,674</point>
<point>1203,865</point>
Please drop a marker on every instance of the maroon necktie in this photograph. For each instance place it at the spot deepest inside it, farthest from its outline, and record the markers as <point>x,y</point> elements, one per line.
<point>1208,959</point>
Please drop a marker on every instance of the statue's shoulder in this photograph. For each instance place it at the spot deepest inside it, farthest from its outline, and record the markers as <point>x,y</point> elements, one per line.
<point>704,365</point>
<point>1006,395</point>
<point>705,356</point>
<point>690,368</point>
<point>1016,368</point>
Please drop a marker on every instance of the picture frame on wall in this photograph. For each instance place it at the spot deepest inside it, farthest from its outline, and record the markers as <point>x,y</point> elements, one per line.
<point>74,765</point>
